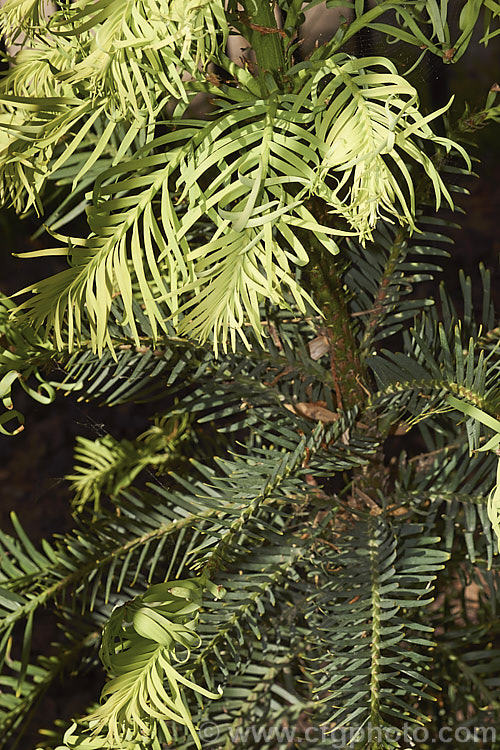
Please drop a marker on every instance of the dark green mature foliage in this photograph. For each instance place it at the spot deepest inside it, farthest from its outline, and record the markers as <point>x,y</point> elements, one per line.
<point>254,569</point>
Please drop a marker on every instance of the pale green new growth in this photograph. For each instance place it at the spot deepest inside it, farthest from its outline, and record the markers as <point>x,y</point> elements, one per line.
<point>142,642</point>
<point>96,90</point>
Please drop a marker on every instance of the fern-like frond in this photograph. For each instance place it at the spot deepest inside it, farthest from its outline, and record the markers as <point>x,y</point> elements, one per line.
<point>23,17</point>
<point>256,203</point>
<point>271,476</point>
<point>382,282</point>
<point>22,688</point>
<point>261,708</point>
<point>374,115</point>
<point>104,73</point>
<point>451,488</point>
<point>139,649</point>
<point>207,521</point>
<point>442,358</point>
<point>107,465</point>
<point>373,653</point>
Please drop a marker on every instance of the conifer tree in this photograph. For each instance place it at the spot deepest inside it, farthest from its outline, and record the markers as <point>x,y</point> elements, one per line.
<point>254,569</point>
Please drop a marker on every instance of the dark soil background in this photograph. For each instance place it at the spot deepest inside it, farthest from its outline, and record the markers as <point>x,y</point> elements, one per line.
<point>33,464</point>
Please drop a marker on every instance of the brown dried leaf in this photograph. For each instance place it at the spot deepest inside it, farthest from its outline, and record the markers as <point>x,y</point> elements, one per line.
<point>314,410</point>
<point>318,346</point>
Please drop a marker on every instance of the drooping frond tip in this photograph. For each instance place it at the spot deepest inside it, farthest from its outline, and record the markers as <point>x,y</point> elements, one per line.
<point>143,644</point>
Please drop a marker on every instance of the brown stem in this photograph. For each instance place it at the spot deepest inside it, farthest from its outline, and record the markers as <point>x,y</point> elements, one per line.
<point>345,364</point>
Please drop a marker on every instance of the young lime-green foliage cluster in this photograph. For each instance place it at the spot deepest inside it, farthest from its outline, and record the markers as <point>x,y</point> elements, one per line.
<point>199,220</point>
<point>243,236</point>
<point>139,649</point>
